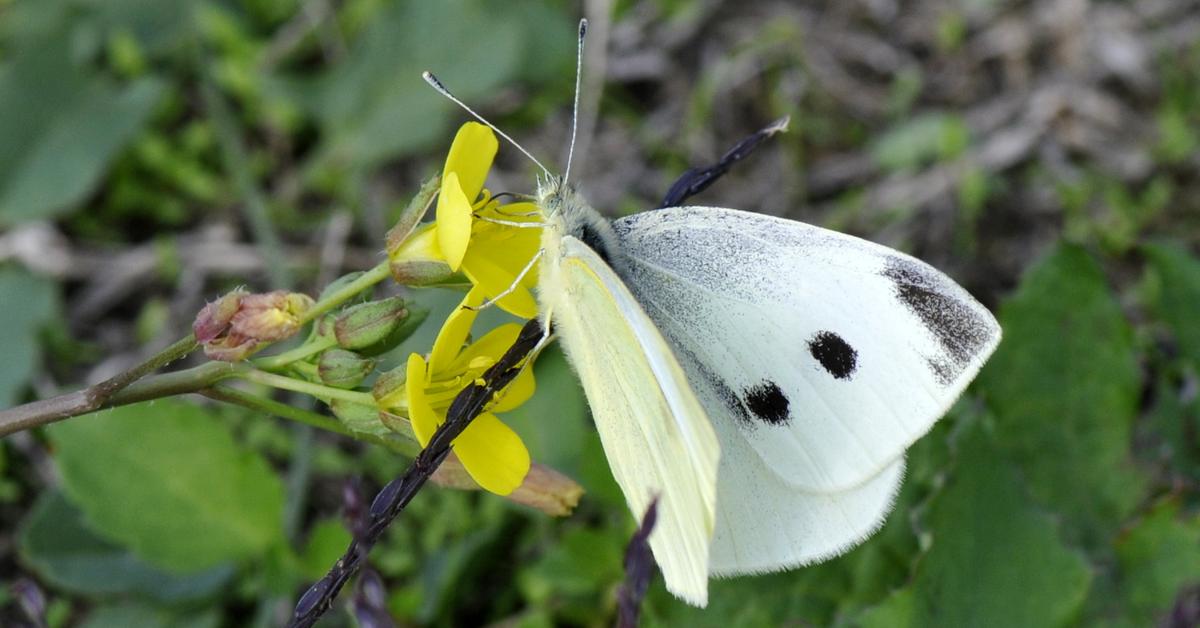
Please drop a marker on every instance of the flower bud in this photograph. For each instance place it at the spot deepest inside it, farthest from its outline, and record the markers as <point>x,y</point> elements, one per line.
<point>343,369</point>
<point>232,327</point>
<point>214,319</point>
<point>417,261</point>
<point>271,316</point>
<point>389,387</point>
<point>410,218</point>
<point>359,417</point>
<point>365,324</point>
<point>543,488</point>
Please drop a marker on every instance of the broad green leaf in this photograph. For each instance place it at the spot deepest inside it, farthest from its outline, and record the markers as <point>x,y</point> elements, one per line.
<point>994,559</point>
<point>575,571</point>
<point>60,128</point>
<point>1177,292</point>
<point>29,302</point>
<point>1172,428</point>
<point>326,542</point>
<point>1064,387</point>
<point>166,480</point>
<point>374,105</point>
<point>63,552</point>
<point>1158,557</point>
<point>142,616</point>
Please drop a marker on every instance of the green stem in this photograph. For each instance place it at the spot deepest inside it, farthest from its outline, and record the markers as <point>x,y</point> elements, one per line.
<point>280,360</point>
<point>114,391</point>
<point>292,413</point>
<point>319,391</point>
<point>366,280</point>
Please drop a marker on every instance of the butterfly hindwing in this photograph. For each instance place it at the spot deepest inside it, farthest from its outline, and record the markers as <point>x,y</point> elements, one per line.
<point>829,354</point>
<point>657,437</point>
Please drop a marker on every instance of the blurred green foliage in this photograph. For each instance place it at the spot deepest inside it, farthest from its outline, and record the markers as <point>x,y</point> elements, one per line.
<point>1064,489</point>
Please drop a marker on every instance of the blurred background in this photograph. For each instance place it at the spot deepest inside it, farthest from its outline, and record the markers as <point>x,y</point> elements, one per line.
<point>157,153</point>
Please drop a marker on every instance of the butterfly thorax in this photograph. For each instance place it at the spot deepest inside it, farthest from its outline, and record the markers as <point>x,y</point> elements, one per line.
<point>566,214</point>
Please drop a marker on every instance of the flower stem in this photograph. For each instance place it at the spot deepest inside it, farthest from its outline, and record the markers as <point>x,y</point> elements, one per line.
<point>120,390</point>
<point>280,360</point>
<point>366,280</point>
<point>242,398</point>
<point>110,392</point>
<point>319,391</point>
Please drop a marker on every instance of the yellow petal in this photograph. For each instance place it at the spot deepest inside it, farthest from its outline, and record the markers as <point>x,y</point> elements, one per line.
<point>491,346</point>
<point>494,279</point>
<point>453,221</point>
<point>516,393</point>
<point>420,245</point>
<point>471,157</point>
<point>493,454</point>
<point>424,420</point>
<point>454,333</point>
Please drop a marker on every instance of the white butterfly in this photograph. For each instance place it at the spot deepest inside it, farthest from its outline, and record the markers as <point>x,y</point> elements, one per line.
<point>805,360</point>
<point>761,377</point>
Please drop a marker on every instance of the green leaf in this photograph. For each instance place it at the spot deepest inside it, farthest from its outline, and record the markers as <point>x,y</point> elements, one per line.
<point>60,128</point>
<point>922,139</point>
<point>166,480</point>
<point>142,616</point>
<point>326,543</point>
<point>29,302</point>
<point>375,105</point>
<point>1158,557</point>
<point>54,542</point>
<point>1177,292</point>
<point>1064,388</point>
<point>575,571</point>
<point>994,559</point>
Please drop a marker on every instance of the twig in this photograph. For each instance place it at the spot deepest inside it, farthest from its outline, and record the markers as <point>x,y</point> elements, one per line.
<point>89,399</point>
<point>395,496</point>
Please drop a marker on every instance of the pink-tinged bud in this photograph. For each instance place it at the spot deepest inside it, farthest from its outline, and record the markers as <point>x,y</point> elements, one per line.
<point>214,319</point>
<point>232,327</point>
<point>230,348</point>
<point>544,488</point>
<point>271,316</point>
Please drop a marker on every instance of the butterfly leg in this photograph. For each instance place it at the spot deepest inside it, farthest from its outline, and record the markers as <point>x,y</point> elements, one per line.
<point>511,223</point>
<point>511,288</point>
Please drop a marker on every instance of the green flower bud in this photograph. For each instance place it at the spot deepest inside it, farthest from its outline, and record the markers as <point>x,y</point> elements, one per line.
<point>360,418</point>
<point>389,387</point>
<point>343,369</point>
<point>365,324</point>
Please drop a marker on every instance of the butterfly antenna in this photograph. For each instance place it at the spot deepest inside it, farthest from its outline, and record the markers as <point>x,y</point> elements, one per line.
<point>575,112</point>
<point>436,84</point>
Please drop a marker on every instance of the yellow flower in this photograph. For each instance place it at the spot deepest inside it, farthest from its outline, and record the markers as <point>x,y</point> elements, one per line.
<point>491,255</point>
<point>489,450</point>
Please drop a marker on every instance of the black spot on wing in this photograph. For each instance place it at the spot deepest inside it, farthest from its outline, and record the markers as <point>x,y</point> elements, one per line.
<point>767,402</point>
<point>960,329</point>
<point>837,357</point>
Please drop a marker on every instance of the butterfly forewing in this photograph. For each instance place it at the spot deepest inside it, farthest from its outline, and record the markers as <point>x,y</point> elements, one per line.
<point>657,437</point>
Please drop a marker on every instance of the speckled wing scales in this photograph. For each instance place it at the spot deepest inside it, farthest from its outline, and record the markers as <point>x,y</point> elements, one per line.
<point>831,354</point>
<point>656,435</point>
